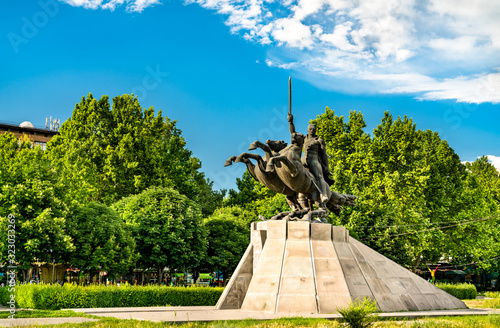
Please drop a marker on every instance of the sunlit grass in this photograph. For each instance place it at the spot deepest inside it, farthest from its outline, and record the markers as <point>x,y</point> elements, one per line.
<point>43,314</point>
<point>488,321</point>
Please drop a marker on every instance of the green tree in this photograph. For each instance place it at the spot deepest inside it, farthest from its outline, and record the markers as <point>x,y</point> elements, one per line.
<point>478,240</point>
<point>167,228</point>
<point>29,193</point>
<point>104,153</point>
<point>486,175</point>
<point>247,191</point>
<point>102,240</point>
<point>410,183</point>
<point>228,237</point>
<point>237,213</point>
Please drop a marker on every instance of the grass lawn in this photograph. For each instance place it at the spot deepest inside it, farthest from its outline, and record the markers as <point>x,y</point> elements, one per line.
<point>445,322</point>
<point>488,303</point>
<point>44,314</point>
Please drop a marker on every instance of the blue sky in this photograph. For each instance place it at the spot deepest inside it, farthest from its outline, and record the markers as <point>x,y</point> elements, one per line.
<point>221,67</point>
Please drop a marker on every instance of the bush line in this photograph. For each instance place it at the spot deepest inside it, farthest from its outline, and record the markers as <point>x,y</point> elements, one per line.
<point>56,297</point>
<point>464,291</point>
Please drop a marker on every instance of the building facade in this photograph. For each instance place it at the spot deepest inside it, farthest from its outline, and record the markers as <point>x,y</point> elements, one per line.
<point>38,136</point>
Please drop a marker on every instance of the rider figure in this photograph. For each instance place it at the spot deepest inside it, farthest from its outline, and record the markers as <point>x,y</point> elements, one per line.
<point>314,157</point>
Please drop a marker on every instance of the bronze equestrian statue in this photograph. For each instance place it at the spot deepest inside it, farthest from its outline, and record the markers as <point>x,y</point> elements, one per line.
<point>303,177</point>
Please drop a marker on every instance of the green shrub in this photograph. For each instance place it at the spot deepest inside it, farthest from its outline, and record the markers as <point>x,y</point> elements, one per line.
<point>4,295</point>
<point>55,297</point>
<point>358,313</point>
<point>461,291</point>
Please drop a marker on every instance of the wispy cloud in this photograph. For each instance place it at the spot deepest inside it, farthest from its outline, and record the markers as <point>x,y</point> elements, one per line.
<point>438,49</point>
<point>131,5</point>
<point>434,50</point>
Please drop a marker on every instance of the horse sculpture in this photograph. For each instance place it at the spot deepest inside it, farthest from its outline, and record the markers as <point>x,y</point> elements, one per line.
<point>282,171</point>
<point>269,179</point>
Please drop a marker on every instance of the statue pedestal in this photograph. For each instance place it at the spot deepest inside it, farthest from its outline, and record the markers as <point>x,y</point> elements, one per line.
<point>299,267</point>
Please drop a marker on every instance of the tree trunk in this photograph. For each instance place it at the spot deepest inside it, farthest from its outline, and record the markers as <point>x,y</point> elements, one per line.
<point>196,274</point>
<point>160,275</point>
<point>223,278</point>
<point>25,274</point>
<point>416,263</point>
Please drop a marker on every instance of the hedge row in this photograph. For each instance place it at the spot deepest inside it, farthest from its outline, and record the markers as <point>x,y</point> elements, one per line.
<point>460,291</point>
<point>55,297</point>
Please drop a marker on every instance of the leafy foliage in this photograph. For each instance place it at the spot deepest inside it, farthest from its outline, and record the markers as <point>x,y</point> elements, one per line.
<point>29,192</point>
<point>104,153</point>
<point>228,237</point>
<point>167,228</point>
<point>102,239</point>
<point>410,185</point>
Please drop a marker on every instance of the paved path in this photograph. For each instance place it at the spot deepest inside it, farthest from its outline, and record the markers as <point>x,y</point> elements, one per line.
<point>209,313</point>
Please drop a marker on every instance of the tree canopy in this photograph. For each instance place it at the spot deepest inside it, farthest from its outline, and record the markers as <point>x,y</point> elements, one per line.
<point>103,242</point>
<point>415,196</point>
<point>104,152</point>
<point>228,236</point>
<point>167,228</point>
<point>29,192</point>
<point>107,152</point>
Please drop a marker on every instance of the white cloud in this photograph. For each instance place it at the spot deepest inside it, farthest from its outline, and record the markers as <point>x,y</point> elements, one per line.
<point>305,8</point>
<point>132,5</point>
<point>287,66</point>
<point>88,4</point>
<point>434,50</point>
<point>456,45</point>
<point>439,49</point>
<point>495,160</point>
<point>471,89</point>
<point>139,5</point>
<point>293,33</point>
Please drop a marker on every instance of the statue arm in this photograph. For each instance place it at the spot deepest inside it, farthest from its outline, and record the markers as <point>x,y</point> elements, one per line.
<point>291,125</point>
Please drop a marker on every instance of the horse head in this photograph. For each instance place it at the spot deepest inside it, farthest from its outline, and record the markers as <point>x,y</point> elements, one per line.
<point>276,145</point>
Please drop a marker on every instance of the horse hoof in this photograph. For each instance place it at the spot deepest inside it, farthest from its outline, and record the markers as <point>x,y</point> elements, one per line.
<point>253,146</point>
<point>228,162</point>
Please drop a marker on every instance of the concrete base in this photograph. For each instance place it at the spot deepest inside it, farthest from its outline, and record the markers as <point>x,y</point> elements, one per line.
<point>299,267</point>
